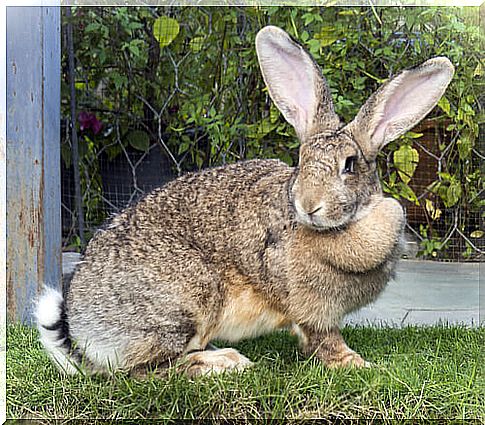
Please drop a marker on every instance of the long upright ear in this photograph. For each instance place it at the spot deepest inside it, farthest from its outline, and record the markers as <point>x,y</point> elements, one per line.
<point>295,82</point>
<point>399,104</point>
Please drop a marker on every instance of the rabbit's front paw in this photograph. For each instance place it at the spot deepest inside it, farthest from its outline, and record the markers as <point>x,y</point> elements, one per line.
<point>330,348</point>
<point>347,359</point>
<point>213,361</point>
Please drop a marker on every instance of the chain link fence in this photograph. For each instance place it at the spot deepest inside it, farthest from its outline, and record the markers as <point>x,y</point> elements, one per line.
<point>179,90</point>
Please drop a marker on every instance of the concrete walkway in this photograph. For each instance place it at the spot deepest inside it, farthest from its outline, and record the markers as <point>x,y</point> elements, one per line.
<point>428,292</point>
<point>424,293</point>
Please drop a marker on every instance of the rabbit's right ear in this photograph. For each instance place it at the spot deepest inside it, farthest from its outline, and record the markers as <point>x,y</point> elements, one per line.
<point>295,82</point>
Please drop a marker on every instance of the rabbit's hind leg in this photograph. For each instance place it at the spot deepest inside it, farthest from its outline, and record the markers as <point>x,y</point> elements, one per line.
<point>181,310</point>
<point>213,360</point>
<point>195,363</point>
<point>157,349</point>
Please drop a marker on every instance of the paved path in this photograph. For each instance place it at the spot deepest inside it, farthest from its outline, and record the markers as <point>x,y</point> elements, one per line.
<point>427,292</point>
<point>424,293</point>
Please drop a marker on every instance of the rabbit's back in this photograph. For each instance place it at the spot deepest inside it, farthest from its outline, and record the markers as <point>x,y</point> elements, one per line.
<point>210,211</point>
<point>164,263</point>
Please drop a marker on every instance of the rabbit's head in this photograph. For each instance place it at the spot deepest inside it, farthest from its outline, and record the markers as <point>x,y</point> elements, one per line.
<point>337,177</point>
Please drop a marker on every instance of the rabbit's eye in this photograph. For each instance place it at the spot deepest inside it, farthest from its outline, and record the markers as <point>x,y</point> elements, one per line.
<point>349,167</point>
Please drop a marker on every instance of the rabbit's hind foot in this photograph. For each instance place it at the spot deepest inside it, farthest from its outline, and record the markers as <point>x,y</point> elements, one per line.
<point>213,361</point>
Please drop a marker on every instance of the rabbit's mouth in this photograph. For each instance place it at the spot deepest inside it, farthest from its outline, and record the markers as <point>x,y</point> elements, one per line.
<point>318,219</point>
<point>325,225</point>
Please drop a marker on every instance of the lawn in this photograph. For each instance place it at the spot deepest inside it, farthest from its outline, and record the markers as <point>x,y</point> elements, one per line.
<point>432,372</point>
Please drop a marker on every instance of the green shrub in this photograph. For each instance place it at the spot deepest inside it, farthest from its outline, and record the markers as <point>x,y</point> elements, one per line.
<point>187,78</point>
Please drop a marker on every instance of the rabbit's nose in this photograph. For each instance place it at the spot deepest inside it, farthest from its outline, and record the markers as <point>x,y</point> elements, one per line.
<point>315,210</point>
<point>310,207</point>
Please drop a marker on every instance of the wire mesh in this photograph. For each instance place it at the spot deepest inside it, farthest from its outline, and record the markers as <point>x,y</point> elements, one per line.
<point>139,127</point>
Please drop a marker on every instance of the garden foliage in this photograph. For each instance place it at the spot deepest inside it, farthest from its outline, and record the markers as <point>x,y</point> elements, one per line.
<point>187,79</point>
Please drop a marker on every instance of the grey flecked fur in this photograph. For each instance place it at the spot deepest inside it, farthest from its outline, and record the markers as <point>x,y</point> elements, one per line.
<point>235,251</point>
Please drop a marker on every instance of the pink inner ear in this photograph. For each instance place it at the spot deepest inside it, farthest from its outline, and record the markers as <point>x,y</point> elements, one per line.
<point>413,97</point>
<point>292,83</point>
<point>408,97</point>
<point>300,83</point>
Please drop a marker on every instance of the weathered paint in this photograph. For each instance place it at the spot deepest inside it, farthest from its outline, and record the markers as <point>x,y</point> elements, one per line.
<point>33,155</point>
<point>3,212</point>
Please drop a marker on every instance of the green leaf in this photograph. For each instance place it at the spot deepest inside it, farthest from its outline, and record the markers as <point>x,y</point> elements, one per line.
<point>478,72</point>
<point>134,25</point>
<point>260,129</point>
<point>196,44</point>
<point>351,12</point>
<point>133,48</point>
<point>327,36</point>
<point>477,234</point>
<point>165,30</point>
<point>118,80</point>
<point>465,145</point>
<point>406,160</point>
<point>93,26</point>
<point>453,194</point>
<point>274,113</point>
<point>80,85</point>
<point>445,176</point>
<point>392,179</point>
<point>407,193</point>
<point>433,211</point>
<point>139,139</point>
<point>314,45</point>
<point>413,135</point>
<point>308,18</point>
<point>184,146</point>
<point>445,106</point>
<point>286,157</point>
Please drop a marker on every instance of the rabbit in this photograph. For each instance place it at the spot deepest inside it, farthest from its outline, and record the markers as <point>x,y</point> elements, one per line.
<point>244,249</point>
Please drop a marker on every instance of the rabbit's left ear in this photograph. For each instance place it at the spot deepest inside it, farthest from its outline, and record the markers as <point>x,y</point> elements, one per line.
<point>399,104</point>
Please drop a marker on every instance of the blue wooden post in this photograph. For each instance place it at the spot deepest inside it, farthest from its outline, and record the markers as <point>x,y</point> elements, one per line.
<point>33,156</point>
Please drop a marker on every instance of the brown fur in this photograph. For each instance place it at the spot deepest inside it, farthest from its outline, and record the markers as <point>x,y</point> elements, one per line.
<point>235,251</point>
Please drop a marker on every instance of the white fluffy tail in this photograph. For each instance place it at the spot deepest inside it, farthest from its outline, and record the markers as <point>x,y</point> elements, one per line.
<point>54,331</point>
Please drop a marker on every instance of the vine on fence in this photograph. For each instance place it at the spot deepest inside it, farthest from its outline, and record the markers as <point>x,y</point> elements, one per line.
<point>185,81</point>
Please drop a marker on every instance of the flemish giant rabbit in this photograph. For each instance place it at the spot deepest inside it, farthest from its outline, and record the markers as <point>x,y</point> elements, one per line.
<point>240,250</point>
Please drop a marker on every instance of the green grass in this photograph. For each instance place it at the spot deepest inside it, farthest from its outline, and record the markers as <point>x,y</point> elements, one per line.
<point>427,373</point>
